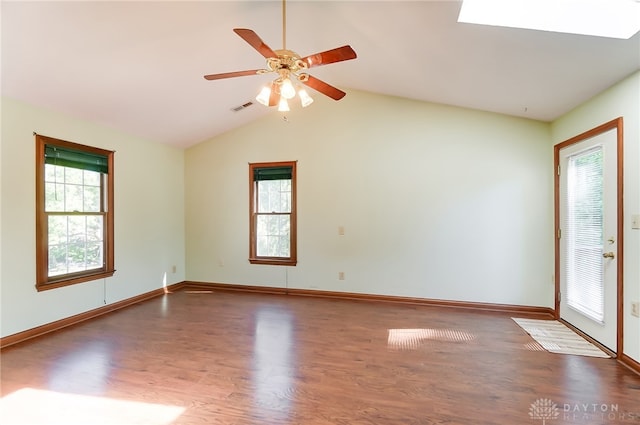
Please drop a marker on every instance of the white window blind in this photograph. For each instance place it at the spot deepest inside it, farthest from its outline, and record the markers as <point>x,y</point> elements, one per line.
<point>583,233</point>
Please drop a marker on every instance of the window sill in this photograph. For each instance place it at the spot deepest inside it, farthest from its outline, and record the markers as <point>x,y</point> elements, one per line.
<point>273,261</point>
<point>72,280</point>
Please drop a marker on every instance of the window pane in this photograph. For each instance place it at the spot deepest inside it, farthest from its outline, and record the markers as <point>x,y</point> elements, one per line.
<point>57,259</point>
<point>75,243</point>
<point>73,198</point>
<point>72,175</point>
<point>57,229</point>
<point>274,196</point>
<point>76,229</point>
<point>285,196</point>
<point>272,235</point>
<point>94,255</point>
<point>49,173</point>
<point>76,256</point>
<point>91,178</point>
<point>54,197</point>
<point>91,199</point>
<point>54,188</point>
<point>94,228</point>
<point>53,173</point>
<point>69,189</point>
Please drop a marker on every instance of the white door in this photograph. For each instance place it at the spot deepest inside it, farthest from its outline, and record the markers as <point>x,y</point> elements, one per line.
<point>588,252</point>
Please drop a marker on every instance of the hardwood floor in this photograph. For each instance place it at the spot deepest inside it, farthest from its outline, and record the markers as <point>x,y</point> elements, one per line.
<point>235,358</point>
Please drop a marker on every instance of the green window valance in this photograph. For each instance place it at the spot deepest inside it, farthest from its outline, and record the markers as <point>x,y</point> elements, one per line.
<point>65,157</point>
<point>273,173</point>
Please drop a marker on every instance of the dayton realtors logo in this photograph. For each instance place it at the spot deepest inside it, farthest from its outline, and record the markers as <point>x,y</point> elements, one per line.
<point>544,409</point>
<point>597,411</point>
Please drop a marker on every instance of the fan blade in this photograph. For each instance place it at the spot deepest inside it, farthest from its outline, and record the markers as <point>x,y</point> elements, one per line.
<point>256,42</point>
<point>339,54</point>
<point>274,97</point>
<point>324,88</point>
<point>232,74</point>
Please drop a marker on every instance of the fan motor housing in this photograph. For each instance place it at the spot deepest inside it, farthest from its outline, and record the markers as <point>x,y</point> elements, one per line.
<point>287,59</point>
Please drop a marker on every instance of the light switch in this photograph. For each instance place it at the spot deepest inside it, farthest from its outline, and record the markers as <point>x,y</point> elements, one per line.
<point>341,230</point>
<point>635,221</point>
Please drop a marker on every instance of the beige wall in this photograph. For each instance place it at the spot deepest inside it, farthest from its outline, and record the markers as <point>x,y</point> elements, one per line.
<point>149,218</point>
<point>436,202</point>
<point>621,100</point>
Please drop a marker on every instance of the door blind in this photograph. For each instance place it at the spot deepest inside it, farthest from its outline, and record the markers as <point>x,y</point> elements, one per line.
<point>583,233</point>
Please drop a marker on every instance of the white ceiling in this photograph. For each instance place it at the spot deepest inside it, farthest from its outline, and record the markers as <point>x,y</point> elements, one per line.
<point>139,66</point>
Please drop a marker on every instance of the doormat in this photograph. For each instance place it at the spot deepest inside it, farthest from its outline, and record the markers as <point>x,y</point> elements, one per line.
<point>556,337</point>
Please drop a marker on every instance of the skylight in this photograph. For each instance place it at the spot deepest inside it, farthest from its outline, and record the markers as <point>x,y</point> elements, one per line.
<point>602,18</point>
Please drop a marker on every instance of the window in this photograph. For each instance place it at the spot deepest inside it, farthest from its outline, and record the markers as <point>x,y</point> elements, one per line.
<point>74,213</point>
<point>584,233</point>
<point>603,18</point>
<point>272,213</point>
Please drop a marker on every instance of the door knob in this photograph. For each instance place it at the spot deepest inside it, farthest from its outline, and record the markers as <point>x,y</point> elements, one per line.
<point>608,255</point>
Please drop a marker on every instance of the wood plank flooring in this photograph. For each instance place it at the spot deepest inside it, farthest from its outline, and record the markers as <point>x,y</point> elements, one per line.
<point>236,358</point>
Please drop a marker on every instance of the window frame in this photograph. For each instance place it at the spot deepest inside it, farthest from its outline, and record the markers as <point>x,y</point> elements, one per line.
<point>292,260</point>
<point>43,280</point>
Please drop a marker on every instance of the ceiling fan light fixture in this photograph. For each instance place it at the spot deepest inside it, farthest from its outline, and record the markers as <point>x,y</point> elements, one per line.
<point>305,99</point>
<point>286,89</point>
<point>288,64</point>
<point>283,105</point>
<point>263,96</point>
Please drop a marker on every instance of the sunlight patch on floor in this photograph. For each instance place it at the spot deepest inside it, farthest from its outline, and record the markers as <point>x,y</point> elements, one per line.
<point>411,339</point>
<point>42,407</point>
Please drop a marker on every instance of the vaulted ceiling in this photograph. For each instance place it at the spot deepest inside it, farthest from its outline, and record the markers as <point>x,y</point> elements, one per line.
<point>139,66</point>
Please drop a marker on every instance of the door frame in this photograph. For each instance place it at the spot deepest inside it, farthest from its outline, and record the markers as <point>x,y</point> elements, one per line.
<point>611,125</point>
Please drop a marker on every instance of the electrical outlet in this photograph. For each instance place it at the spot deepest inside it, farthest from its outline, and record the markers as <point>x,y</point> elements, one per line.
<point>635,308</point>
<point>173,269</point>
<point>340,275</point>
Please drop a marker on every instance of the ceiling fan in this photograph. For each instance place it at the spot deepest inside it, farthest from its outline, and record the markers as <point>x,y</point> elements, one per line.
<point>289,66</point>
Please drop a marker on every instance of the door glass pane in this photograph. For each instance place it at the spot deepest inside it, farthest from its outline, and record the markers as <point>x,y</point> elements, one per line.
<point>583,233</point>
